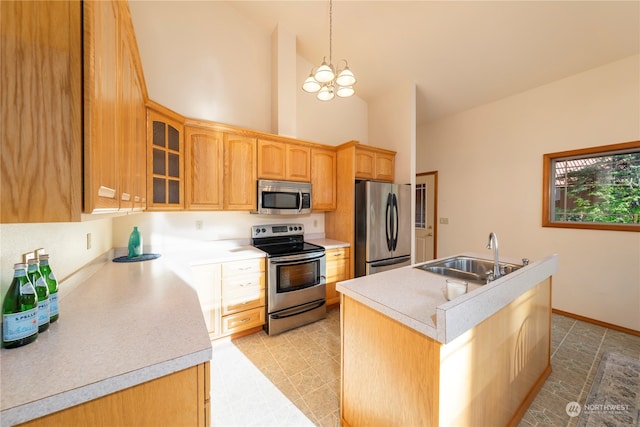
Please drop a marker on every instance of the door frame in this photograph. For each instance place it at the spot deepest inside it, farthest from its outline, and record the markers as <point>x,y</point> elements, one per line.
<point>435,210</point>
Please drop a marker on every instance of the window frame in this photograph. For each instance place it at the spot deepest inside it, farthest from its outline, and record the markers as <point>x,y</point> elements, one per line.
<point>547,191</point>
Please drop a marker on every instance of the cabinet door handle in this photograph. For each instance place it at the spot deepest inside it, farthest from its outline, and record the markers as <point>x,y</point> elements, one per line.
<point>107,192</point>
<point>125,196</point>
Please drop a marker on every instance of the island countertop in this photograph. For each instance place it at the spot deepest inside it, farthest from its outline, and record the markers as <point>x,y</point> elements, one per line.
<point>416,298</point>
<point>121,324</point>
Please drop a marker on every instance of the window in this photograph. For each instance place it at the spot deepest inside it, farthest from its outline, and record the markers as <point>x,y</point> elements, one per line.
<point>421,205</point>
<point>596,188</point>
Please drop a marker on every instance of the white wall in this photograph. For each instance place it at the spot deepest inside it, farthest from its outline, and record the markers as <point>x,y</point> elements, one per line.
<point>66,243</point>
<point>392,125</point>
<point>168,231</point>
<point>204,60</point>
<point>490,179</point>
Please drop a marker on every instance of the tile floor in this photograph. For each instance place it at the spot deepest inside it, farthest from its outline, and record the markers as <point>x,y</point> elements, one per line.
<point>293,379</point>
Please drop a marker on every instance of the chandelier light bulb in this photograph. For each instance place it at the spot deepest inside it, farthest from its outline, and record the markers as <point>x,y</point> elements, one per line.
<point>326,93</point>
<point>324,73</point>
<point>345,91</point>
<point>346,77</point>
<point>311,85</point>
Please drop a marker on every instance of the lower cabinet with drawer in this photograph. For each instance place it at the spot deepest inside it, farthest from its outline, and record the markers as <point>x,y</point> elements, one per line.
<point>243,297</point>
<point>337,266</point>
<point>232,295</point>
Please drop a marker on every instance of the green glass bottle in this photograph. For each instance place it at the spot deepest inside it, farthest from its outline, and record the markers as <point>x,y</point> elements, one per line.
<point>33,273</point>
<point>135,244</point>
<point>19,310</point>
<point>52,284</point>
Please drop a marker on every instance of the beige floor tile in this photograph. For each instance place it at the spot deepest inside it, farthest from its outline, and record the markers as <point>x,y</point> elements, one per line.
<point>293,379</point>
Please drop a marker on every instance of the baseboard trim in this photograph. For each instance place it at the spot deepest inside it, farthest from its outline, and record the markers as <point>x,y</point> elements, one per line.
<point>597,322</point>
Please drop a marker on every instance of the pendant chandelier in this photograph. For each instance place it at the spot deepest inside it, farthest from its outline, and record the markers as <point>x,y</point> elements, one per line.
<point>326,81</point>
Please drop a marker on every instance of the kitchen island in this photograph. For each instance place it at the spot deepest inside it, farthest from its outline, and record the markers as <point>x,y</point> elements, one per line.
<point>410,357</point>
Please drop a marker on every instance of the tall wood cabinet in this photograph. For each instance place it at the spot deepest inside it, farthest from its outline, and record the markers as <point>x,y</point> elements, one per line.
<point>40,111</point>
<point>240,172</point>
<point>114,120</point>
<point>323,178</point>
<point>353,159</point>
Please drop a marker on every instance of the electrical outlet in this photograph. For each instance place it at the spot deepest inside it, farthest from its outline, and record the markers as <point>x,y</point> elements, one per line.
<point>444,220</point>
<point>38,252</point>
<point>88,241</point>
<point>199,224</point>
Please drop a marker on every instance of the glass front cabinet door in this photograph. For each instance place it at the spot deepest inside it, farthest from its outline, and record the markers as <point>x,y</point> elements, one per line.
<point>165,154</point>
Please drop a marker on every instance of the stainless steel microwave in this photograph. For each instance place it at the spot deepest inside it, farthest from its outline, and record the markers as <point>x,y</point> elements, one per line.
<point>283,197</point>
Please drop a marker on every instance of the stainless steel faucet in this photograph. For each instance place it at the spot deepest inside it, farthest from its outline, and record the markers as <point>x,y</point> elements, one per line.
<point>493,244</point>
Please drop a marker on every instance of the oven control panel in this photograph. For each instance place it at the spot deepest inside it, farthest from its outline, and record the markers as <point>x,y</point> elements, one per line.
<point>274,230</point>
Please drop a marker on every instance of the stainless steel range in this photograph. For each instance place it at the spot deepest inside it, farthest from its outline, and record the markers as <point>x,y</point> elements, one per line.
<point>296,282</point>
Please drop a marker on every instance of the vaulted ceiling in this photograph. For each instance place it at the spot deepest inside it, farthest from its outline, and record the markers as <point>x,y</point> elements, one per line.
<point>460,54</point>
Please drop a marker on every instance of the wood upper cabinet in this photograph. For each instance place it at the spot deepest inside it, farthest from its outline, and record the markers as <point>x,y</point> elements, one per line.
<point>41,111</point>
<point>298,163</point>
<point>204,167</point>
<point>374,164</point>
<point>165,185</point>
<point>132,163</point>
<point>272,159</point>
<point>240,172</point>
<point>114,130</point>
<point>283,161</point>
<point>323,179</point>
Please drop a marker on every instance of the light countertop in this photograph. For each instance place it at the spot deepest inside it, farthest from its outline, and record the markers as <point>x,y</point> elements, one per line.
<point>416,298</point>
<point>121,324</point>
<point>327,243</point>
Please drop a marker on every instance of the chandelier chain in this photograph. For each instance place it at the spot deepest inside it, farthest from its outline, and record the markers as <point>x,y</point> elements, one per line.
<point>330,31</point>
<point>328,80</point>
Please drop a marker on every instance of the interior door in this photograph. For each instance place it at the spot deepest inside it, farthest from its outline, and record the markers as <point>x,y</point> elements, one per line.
<point>426,188</point>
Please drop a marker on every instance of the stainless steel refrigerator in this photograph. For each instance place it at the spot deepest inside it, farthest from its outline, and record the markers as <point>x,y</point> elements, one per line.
<point>383,227</point>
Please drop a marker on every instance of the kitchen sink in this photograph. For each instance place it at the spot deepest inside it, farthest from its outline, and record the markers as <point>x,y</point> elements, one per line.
<point>467,268</point>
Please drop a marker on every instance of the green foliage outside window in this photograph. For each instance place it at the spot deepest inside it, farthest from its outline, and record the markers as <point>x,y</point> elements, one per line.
<point>598,189</point>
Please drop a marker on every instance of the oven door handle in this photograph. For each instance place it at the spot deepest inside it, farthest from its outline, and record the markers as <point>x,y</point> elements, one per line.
<point>297,310</point>
<point>288,259</point>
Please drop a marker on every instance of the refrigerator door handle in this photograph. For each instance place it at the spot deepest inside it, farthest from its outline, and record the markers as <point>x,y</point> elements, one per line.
<point>397,222</point>
<point>393,261</point>
<point>387,222</point>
